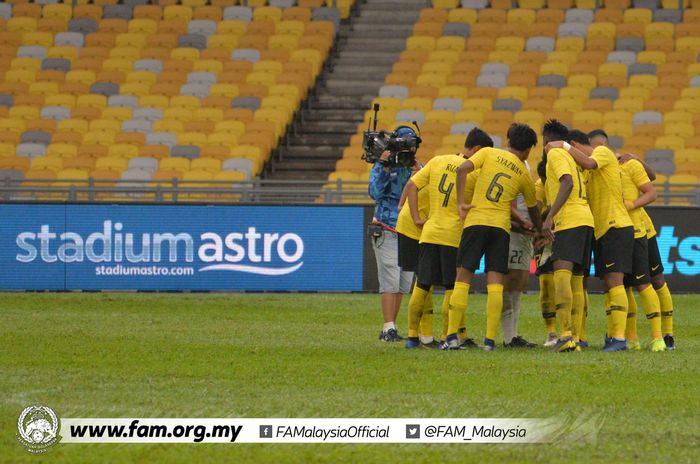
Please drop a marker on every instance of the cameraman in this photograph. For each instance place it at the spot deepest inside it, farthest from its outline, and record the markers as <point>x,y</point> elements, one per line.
<point>386,183</point>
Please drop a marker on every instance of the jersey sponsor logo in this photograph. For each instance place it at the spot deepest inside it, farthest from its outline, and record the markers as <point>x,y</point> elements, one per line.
<point>250,252</point>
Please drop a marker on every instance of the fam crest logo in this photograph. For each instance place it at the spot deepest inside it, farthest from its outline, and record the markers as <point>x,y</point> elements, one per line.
<point>37,428</point>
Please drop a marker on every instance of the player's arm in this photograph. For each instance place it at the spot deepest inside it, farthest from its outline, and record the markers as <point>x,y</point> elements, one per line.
<point>528,190</point>
<point>566,185</point>
<point>579,157</point>
<point>648,169</point>
<point>411,191</point>
<point>644,185</point>
<point>475,162</point>
<point>518,218</point>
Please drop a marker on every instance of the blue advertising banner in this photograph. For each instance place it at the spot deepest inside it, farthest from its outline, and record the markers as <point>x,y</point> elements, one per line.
<point>176,247</point>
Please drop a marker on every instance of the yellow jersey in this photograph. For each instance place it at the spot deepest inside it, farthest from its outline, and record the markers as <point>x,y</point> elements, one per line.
<point>575,212</point>
<point>503,175</point>
<point>439,178</point>
<point>405,224</point>
<point>605,192</point>
<point>541,194</point>
<point>648,224</point>
<point>633,177</point>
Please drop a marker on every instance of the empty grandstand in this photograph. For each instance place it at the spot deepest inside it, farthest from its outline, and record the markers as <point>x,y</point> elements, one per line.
<point>267,100</point>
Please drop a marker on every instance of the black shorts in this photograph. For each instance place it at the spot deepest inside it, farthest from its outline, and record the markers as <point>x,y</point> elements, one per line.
<point>640,264</point>
<point>656,267</point>
<point>545,268</point>
<point>613,251</point>
<point>478,241</point>
<point>437,265</point>
<point>574,245</point>
<point>408,253</point>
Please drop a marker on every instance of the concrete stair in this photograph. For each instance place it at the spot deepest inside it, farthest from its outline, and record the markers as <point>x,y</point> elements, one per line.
<point>368,44</point>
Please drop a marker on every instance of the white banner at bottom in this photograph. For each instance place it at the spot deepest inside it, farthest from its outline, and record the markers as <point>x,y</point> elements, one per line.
<point>328,430</point>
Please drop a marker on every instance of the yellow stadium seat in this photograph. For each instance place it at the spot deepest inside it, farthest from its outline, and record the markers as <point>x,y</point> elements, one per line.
<point>601,30</point>
<point>61,150</point>
<point>637,16</point>
<point>230,127</point>
<point>103,138</point>
<point>206,164</point>
<point>68,177</point>
<point>513,92</point>
<point>574,44</point>
<point>123,150</point>
<point>424,43</point>
<point>184,101</point>
<point>688,44</point>
<point>510,44</point>
<point>631,105</point>
<point>21,24</point>
<point>560,69</point>
<point>174,164</point>
<point>523,15</point>
<point>25,113</point>
<point>651,56</point>
<point>50,163</point>
<point>645,81</point>
<point>192,138</point>
<point>224,41</point>
<point>680,130</point>
<point>462,15</point>
<point>670,142</point>
<point>112,163</point>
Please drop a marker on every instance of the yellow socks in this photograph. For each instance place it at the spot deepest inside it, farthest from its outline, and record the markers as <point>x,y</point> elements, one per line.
<point>563,300</point>
<point>608,319</point>
<point>415,310</point>
<point>458,306</point>
<point>577,303</point>
<point>666,309</point>
<point>631,327</point>
<point>446,312</point>
<point>584,316</point>
<point>426,320</point>
<point>652,308</point>
<point>494,306</point>
<point>547,302</point>
<point>617,320</point>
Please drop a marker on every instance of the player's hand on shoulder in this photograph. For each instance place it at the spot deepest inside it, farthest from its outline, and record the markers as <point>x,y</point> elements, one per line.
<point>553,144</point>
<point>625,157</point>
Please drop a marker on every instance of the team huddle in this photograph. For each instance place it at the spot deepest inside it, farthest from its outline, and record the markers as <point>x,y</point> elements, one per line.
<point>483,203</point>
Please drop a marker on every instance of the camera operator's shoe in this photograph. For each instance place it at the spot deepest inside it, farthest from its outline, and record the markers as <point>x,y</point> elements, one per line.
<point>390,335</point>
<point>489,345</point>
<point>615,344</point>
<point>670,342</point>
<point>468,344</point>
<point>519,342</point>
<point>450,343</point>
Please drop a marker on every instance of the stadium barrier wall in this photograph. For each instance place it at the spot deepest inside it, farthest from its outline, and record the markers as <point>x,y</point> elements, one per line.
<point>163,247</point>
<point>177,247</point>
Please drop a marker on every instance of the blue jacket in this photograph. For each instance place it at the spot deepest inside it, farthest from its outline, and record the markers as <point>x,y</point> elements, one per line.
<point>385,188</point>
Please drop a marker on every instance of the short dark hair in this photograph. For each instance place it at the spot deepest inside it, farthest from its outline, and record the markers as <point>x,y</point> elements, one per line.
<point>521,137</point>
<point>597,133</point>
<point>555,130</point>
<point>578,137</point>
<point>478,138</point>
<point>542,168</point>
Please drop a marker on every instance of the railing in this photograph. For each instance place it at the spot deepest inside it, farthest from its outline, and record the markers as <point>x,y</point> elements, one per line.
<point>253,191</point>
<point>174,190</point>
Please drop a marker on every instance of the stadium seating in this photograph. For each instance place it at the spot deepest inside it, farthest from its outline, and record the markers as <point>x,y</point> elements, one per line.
<point>193,88</point>
<point>630,67</point>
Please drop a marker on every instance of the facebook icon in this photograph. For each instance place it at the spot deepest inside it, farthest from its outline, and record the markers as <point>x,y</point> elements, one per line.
<point>265,431</point>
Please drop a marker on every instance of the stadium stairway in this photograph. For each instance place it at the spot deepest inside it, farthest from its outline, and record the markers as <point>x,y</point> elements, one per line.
<point>368,45</point>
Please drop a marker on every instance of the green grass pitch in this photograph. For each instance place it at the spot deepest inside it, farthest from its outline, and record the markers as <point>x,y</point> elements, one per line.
<point>317,355</point>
